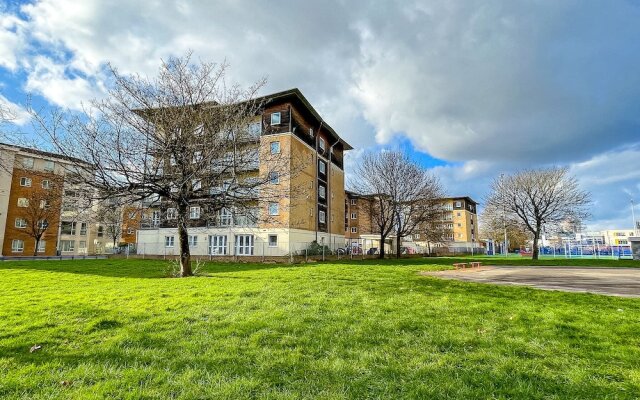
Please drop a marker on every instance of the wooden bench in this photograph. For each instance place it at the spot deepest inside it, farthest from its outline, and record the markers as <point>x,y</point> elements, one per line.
<point>460,265</point>
<point>476,264</point>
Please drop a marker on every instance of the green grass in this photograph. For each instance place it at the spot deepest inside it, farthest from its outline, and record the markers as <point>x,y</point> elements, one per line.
<point>119,329</point>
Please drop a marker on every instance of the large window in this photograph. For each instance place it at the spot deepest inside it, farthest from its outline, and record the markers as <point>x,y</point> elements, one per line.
<point>21,223</point>
<point>42,245</point>
<point>17,246</point>
<point>322,192</point>
<point>83,228</point>
<point>82,246</point>
<point>274,209</point>
<point>217,245</point>
<point>67,245</point>
<point>194,212</point>
<point>322,167</point>
<point>26,182</point>
<point>155,218</point>
<point>27,162</point>
<point>275,118</point>
<point>193,240</point>
<point>23,202</point>
<point>275,147</point>
<point>224,217</point>
<point>244,245</point>
<point>48,166</point>
<point>68,228</point>
<point>172,213</point>
<point>169,241</point>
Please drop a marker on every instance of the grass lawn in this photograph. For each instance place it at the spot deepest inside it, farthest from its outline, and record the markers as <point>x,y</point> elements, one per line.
<point>119,329</point>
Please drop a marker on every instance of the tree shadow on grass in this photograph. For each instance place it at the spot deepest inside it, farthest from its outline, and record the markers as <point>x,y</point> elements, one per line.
<point>121,268</point>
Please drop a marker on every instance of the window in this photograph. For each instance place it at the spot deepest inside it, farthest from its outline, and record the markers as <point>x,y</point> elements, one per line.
<point>82,246</point>
<point>168,241</point>
<point>196,184</point>
<point>43,224</point>
<point>48,166</point>
<point>193,240</point>
<point>217,245</point>
<point>322,144</point>
<point>322,191</point>
<point>26,182</point>
<point>274,208</point>
<point>45,204</point>
<point>322,217</point>
<point>275,147</point>
<point>194,212</point>
<point>458,204</point>
<point>172,213</point>
<point>274,178</point>
<point>100,231</point>
<point>224,217</point>
<point>68,228</point>
<point>354,229</point>
<point>255,129</point>
<point>459,225</point>
<point>244,245</point>
<point>42,245</point>
<point>17,246</point>
<point>22,202</point>
<point>322,167</point>
<point>155,218</point>
<point>273,240</point>
<point>130,231</point>
<point>353,202</point>
<point>275,118</point>
<point>21,223</point>
<point>67,245</point>
<point>458,214</point>
<point>172,161</point>
<point>27,162</point>
<point>354,215</point>
<point>46,184</point>
<point>197,157</point>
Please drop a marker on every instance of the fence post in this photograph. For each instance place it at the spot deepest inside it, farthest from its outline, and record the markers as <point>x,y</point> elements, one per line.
<point>262,251</point>
<point>306,255</point>
<point>323,252</point>
<point>290,254</point>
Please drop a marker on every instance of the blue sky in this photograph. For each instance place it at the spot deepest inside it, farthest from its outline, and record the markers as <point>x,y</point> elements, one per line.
<point>470,89</point>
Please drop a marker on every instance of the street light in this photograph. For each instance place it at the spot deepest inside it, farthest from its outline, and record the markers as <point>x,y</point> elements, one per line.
<point>633,216</point>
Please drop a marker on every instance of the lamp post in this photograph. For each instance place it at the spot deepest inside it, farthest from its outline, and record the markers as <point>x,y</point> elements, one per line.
<point>633,216</point>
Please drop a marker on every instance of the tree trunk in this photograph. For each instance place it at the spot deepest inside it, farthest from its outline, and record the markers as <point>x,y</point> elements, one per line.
<point>536,236</point>
<point>183,237</point>
<point>381,252</point>
<point>398,246</point>
<point>35,250</point>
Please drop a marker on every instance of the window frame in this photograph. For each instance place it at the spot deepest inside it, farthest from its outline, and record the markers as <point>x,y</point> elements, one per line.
<point>275,143</point>
<point>46,184</point>
<point>277,208</point>
<point>322,144</point>
<point>193,214</point>
<point>17,249</point>
<point>274,178</point>
<point>276,116</point>
<point>322,167</point>
<point>172,213</point>
<point>354,215</point>
<point>322,217</point>
<point>25,181</point>
<point>23,202</point>
<point>20,226</point>
<point>169,241</point>
<point>217,243</point>
<point>270,243</point>
<point>322,192</point>
<point>354,229</point>
<point>244,245</point>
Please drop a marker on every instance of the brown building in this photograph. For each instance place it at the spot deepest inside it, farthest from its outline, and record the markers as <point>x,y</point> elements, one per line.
<point>312,204</point>
<point>37,201</point>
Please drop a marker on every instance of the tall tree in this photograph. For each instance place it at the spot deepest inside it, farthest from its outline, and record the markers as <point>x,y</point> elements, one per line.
<point>185,137</point>
<point>536,198</point>
<point>404,196</point>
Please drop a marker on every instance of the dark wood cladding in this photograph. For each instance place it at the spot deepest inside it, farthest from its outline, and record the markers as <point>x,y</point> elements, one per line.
<point>294,119</point>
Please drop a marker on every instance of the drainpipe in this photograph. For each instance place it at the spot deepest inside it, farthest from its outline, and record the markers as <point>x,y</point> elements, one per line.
<point>329,191</point>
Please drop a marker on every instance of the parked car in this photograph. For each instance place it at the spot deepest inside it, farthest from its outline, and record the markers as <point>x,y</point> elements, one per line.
<point>372,251</point>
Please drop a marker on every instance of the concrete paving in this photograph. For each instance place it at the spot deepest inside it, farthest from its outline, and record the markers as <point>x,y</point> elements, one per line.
<point>608,281</point>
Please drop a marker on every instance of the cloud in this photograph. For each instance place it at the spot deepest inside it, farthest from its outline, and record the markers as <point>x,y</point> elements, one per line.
<point>485,86</point>
<point>12,112</point>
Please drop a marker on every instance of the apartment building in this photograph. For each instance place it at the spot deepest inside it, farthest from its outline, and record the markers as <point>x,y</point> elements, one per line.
<point>36,197</point>
<point>459,222</point>
<point>311,207</point>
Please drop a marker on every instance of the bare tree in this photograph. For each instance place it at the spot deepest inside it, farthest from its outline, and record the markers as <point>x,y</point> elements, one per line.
<point>537,198</point>
<point>40,211</point>
<point>110,215</point>
<point>404,196</point>
<point>185,137</point>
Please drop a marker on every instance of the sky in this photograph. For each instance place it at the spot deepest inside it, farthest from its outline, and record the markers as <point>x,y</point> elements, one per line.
<point>469,89</point>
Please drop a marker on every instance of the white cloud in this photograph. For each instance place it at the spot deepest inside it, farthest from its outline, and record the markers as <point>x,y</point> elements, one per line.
<point>13,112</point>
<point>12,40</point>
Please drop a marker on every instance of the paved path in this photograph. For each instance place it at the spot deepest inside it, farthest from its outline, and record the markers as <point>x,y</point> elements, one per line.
<point>610,281</point>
